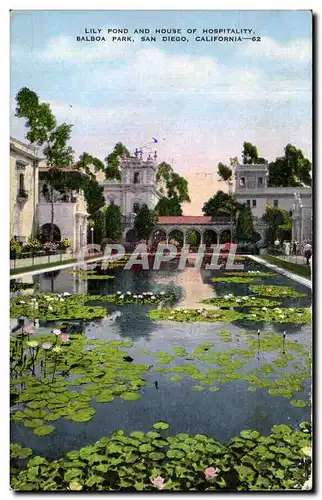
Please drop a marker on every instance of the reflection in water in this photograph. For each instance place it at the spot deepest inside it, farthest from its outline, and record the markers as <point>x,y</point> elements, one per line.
<point>222,414</point>
<point>61,281</point>
<point>195,290</point>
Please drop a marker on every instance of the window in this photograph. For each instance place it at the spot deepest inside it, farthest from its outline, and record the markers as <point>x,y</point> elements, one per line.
<point>290,213</point>
<point>242,181</point>
<point>275,203</point>
<point>21,182</point>
<point>254,203</point>
<point>136,207</point>
<point>248,203</point>
<point>112,202</point>
<point>260,181</point>
<point>136,178</point>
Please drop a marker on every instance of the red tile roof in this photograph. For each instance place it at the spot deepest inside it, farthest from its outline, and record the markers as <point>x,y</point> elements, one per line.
<point>185,219</point>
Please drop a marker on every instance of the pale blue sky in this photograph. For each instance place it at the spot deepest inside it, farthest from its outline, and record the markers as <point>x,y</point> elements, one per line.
<point>201,100</point>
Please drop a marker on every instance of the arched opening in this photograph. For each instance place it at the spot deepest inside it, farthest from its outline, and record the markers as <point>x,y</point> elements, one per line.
<point>176,237</point>
<point>136,207</point>
<point>209,237</point>
<point>256,237</point>
<point>21,183</point>
<point>136,178</point>
<point>193,238</point>
<point>159,236</point>
<point>131,236</point>
<point>45,231</point>
<point>224,236</point>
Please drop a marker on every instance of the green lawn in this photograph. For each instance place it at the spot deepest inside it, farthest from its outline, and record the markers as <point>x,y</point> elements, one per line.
<point>301,270</point>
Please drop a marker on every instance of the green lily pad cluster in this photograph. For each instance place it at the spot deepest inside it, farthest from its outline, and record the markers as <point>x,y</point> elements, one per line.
<point>277,315</point>
<point>239,301</point>
<point>133,298</point>
<point>154,461</point>
<point>276,291</point>
<point>230,365</point>
<point>57,376</point>
<point>53,307</point>
<point>192,315</point>
<point>234,279</point>
<point>254,274</point>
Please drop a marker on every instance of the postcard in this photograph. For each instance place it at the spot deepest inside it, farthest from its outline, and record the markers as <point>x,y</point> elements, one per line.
<point>161,251</point>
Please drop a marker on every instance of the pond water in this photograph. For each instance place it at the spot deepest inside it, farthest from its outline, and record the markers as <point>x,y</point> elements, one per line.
<point>222,414</point>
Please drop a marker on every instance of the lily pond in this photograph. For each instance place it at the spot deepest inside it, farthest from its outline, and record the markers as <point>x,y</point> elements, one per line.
<point>160,380</point>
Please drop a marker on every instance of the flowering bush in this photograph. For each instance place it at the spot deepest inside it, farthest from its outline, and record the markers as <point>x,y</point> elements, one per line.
<point>50,246</point>
<point>64,243</point>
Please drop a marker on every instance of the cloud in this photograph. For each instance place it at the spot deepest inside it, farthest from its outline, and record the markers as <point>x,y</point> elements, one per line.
<point>294,51</point>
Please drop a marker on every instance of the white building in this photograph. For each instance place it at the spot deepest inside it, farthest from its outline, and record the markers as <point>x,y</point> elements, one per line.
<point>30,209</point>
<point>251,189</point>
<point>137,187</point>
<point>24,161</point>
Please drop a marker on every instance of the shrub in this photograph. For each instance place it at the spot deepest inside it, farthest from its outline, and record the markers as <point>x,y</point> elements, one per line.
<point>15,248</point>
<point>64,243</point>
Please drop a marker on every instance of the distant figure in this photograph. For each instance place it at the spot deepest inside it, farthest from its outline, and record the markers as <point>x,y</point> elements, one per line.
<point>310,260</point>
<point>294,247</point>
<point>307,252</point>
<point>287,248</point>
<point>156,384</point>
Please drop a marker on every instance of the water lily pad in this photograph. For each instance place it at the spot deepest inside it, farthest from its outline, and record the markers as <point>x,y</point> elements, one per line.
<point>298,403</point>
<point>157,455</point>
<point>130,396</point>
<point>44,430</point>
<point>161,425</point>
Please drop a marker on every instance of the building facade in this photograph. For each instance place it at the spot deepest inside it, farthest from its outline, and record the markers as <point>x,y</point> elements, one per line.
<point>251,189</point>
<point>24,166</point>
<point>31,208</point>
<point>137,186</point>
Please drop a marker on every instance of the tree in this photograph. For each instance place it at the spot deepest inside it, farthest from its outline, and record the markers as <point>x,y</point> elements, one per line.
<point>249,153</point>
<point>220,204</point>
<point>113,219</point>
<point>174,187</point>
<point>244,232</point>
<point>279,223</point>
<point>112,170</point>
<point>168,206</point>
<point>43,131</point>
<point>145,221</point>
<point>290,170</point>
<point>225,173</point>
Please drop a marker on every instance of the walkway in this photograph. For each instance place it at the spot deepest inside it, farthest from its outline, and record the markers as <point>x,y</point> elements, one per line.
<point>288,274</point>
<point>55,268</point>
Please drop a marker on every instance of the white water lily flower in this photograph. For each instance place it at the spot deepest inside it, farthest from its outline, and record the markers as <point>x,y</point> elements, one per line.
<point>153,297</point>
<point>121,296</point>
<point>158,482</point>
<point>264,308</point>
<point>33,300</point>
<point>66,294</point>
<point>282,316</point>
<point>135,296</point>
<point>46,346</point>
<point>162,293</point>
<point>254,315</point>
<point>118,293</point>
<point>239,301</point>
<point>170,317</point>
<point>140,296</point>
<point>128,293</point>
<point>50,308</point>
<point>22,302</point>
<point>200,311</point>
<point>56,332</point>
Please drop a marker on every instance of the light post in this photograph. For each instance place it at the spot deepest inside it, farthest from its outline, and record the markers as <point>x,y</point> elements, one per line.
<point>230,190</point>
<point>92,235</point>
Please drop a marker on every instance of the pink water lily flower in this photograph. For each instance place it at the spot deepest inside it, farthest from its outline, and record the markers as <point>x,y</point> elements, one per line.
<point>64,337</point>
<point>46,346</point>
<point>29,330</point>
<point>158,482</point>
<point>210,472</point>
